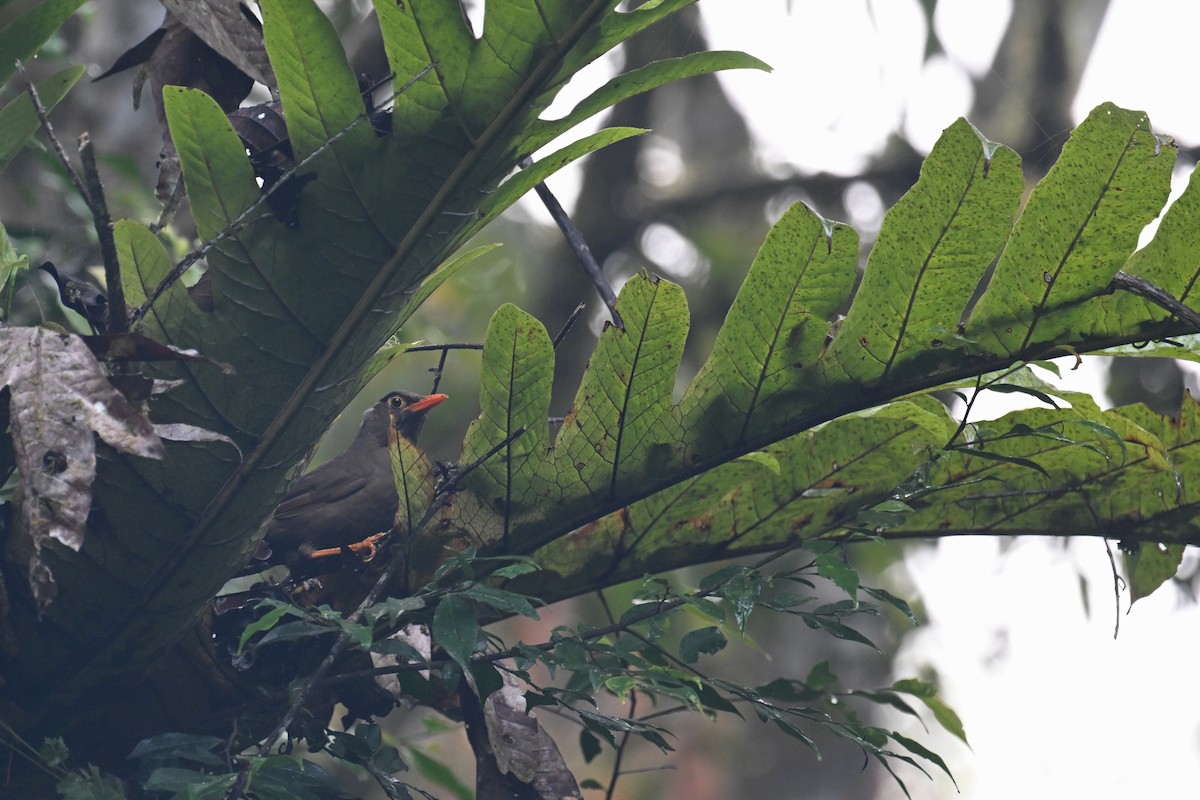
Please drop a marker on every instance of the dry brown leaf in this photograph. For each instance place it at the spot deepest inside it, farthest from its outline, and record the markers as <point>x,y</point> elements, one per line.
<point>58,396</point>
<point>225,27</point>
<point>179,432</point>
<point>522,747</point>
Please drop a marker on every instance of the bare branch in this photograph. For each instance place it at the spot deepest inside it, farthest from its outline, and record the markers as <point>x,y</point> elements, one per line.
<point>1156,295</point>
<point>580,247</point>
<point>44,119</point>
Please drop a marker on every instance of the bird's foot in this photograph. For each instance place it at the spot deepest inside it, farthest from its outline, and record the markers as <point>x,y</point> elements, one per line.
<point>366,550</point>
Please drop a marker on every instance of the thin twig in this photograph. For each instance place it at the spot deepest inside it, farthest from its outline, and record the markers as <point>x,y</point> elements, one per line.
<point>236,223</point>
<point>1116,576</point>
<point>621,748</point>
<point>439,370</point>
<point>570,323</point>
<point>429,348</point>
<point>1112,563</point>
<point>980,385</point>
<point>117,320</point>
<point>962,424</point>
<point>579,246</point>
<point>44,119</point>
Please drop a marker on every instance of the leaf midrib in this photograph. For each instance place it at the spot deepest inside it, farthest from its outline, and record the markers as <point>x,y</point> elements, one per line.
<point>1040,308</point>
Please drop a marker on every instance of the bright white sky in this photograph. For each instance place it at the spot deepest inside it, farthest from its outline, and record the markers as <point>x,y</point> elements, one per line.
<point>1050,701</point>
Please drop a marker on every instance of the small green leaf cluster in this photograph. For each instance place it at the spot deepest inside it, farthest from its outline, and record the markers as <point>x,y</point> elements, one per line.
<point>180,765</point>
<point>663,648</point>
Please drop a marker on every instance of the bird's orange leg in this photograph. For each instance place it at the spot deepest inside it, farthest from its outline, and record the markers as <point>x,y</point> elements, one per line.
<point>367,549</point>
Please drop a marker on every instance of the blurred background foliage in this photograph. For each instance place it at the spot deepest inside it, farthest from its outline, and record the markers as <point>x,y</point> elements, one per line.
<point>691,201</point>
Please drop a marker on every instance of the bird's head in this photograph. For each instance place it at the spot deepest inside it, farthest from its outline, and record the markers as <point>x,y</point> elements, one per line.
<point>406,410</point>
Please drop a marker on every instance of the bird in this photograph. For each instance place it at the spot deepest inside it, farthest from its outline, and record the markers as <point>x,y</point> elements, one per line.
<point>352,496</point>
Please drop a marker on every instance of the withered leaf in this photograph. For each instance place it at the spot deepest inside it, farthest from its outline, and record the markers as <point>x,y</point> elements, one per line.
<point>264,132</point>
<point>524,749</point>
<point>58,396</point>
<point>135,56</point>
<point>229,28</point>
<point>181,432</point>
<point>176,55</point>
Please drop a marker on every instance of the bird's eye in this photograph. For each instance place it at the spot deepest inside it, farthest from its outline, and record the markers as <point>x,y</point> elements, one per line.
<point>396,403</point>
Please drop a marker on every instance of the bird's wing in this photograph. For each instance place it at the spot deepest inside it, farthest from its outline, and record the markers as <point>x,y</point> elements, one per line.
<point>301,501</point>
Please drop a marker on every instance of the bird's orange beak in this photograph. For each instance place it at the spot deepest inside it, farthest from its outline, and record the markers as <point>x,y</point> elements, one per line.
<point>427,402</point>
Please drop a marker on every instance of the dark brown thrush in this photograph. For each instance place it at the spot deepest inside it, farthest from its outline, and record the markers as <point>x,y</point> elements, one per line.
<point>352,496</point>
